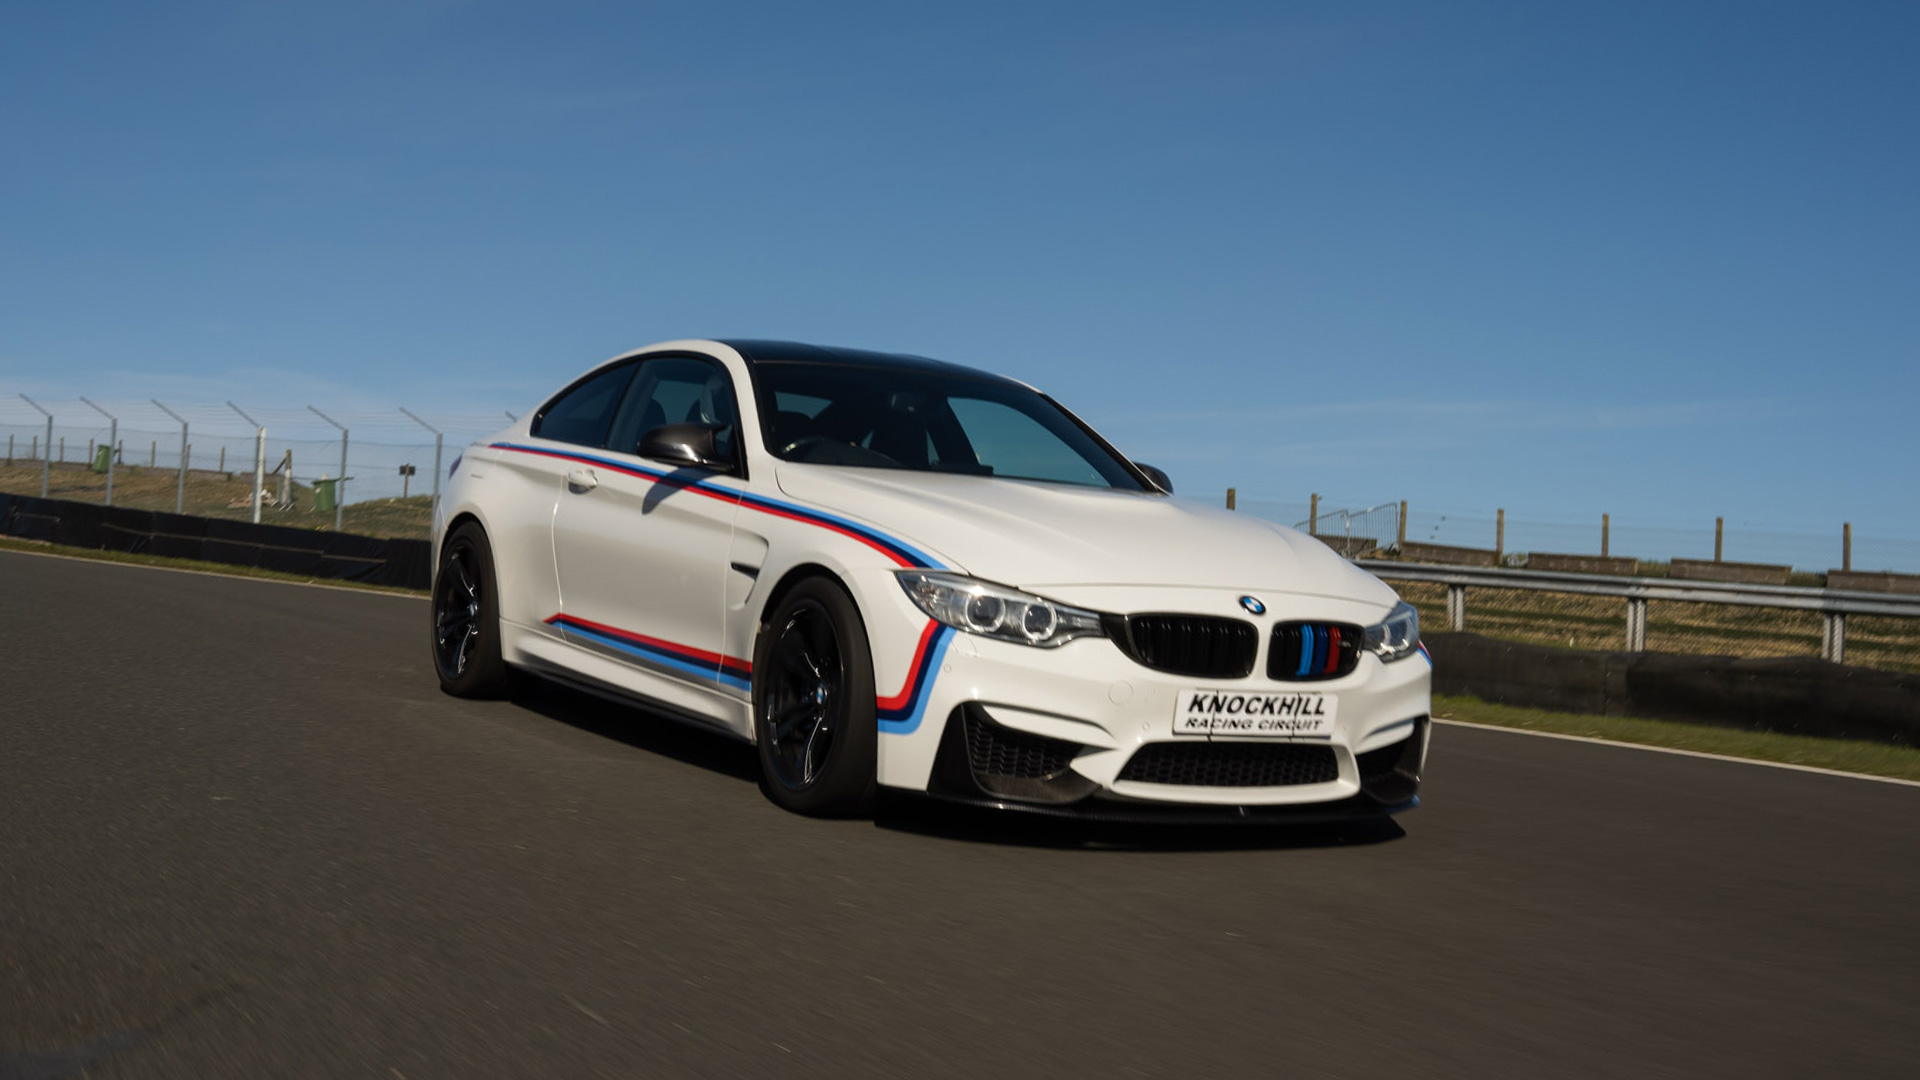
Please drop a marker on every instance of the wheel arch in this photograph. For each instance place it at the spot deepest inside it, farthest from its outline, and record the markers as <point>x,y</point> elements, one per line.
<point>794,576</point>
<point>439,541</point>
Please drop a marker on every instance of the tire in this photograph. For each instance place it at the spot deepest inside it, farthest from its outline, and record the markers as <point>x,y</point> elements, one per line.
<point>813,706</point>
<point>465,614</point>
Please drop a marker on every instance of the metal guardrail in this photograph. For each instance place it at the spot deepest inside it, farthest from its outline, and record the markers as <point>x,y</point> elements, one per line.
<point>1834,604</point>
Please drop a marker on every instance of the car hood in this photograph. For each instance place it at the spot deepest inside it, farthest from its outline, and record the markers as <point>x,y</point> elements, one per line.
<point>1034,535</point>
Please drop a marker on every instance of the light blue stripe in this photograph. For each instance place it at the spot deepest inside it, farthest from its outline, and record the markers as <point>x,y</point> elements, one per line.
<point>705,672</point>
<point>909,550</point>
<point>910,722</point>
<point>1307,639</point>
<point>916,554</point>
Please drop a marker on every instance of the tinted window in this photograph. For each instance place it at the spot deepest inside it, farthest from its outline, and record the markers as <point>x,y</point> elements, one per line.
<point>1012,443</point>
<point>583,412</point>
<point>933,421</point>
<point>676,390</point>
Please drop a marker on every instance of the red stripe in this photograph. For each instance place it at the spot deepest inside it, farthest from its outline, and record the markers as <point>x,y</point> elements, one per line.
<point>1333,650</point>
<point>848,533</point>
<point>734,497</point>
<point>905,696</point>
<point>742,666</point>
<point>720,494</point>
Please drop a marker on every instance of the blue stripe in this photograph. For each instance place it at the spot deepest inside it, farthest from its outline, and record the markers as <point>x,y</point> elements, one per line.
<point>701,670</point>
<point>906,721</point>
<point>1307,636</point>
<point>912,553</point>
<point>907,551</point>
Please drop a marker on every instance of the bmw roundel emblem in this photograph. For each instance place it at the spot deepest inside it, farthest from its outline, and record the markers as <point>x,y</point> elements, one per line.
<point>1253,605</point>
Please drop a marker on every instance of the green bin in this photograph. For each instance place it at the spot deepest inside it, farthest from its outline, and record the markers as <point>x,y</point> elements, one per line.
<point>102,456</point>
<point>323,494</point>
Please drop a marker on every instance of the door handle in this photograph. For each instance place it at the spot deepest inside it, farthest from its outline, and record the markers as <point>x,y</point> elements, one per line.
<point>582,480</point>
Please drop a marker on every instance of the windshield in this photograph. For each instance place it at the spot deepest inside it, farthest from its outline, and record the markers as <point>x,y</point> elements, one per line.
<point>893,418</point>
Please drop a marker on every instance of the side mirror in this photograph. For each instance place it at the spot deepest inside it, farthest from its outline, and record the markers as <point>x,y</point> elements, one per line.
<point>684,444</point>
<point>1155,475</point>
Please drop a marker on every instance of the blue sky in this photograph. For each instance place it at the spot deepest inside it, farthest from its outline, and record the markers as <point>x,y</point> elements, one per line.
<point>1660,260</point>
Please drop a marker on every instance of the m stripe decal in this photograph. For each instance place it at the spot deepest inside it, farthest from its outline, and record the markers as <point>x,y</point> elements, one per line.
<point>898,714</point>
<point>728,670</point>
<point>901,714</point>
<point>899,552</point>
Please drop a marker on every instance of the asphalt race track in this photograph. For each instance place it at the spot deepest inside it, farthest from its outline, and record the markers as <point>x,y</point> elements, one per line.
<point>242,834</point>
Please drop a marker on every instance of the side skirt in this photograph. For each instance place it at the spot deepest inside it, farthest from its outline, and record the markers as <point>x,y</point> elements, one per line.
<point>585,670</point>
<point>618,696</point>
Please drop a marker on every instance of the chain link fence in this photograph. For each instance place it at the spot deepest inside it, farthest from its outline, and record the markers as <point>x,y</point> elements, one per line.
<point>1359,527</point>
<point>394,461</point>
<point>1580,621</point>
<point>391,477</point>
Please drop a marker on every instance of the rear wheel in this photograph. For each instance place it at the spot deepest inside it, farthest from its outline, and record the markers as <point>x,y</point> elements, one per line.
<point>813,703</point>
<point>466,617</point>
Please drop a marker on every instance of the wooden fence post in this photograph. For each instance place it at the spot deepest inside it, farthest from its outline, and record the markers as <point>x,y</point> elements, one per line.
<point>1313,515</point>
<point>1719,533</point>
<point>1846,546</point>
<point>1605,523</point>
<point>1499,534</point>
<point>1401,539</point>
<point>1230,498</point>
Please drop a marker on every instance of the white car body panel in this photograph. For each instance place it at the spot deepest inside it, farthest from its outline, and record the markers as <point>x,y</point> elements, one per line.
<point>652,582</point>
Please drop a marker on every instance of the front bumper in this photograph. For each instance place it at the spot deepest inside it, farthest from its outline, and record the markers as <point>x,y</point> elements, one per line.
<point>1073,718</point>
<point>1389,779</point>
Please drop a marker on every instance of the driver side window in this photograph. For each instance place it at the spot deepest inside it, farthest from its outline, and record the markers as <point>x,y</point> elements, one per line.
<point>676,390</point>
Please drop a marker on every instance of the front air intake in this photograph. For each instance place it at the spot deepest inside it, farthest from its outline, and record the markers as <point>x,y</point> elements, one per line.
<point>1232,764</point>
<point>978,755</point>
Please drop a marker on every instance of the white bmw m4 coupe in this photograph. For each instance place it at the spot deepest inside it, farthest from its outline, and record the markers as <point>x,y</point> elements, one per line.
<point>892,573</point>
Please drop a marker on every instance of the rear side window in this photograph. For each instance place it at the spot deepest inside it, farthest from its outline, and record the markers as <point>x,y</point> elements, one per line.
<point>584,411</point>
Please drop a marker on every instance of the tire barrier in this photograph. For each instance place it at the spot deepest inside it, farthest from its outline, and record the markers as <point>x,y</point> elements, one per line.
<point>404,564</point>
<point>1793,695</point>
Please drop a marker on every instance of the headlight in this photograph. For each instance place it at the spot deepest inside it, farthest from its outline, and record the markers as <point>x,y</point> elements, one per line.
<point>996,611</point>
<point>1397,636</point>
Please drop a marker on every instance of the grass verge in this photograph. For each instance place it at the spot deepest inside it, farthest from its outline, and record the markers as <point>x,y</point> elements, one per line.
<point>8,543</point>
<point>1842,755</point>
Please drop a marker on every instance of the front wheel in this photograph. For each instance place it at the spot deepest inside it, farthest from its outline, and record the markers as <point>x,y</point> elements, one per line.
<point>813,703</point>
<point>466,617</point>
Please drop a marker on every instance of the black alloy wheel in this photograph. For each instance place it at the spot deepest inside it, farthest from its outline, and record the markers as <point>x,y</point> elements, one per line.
<point>466,617</point>
<point>814,710</point>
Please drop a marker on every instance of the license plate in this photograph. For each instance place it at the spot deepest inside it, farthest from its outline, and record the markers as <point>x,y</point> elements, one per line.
<point>1257,715</point>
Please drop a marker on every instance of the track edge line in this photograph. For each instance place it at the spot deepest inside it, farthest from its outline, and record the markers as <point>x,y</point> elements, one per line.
<point>363,590</point>
<point>1682,753</point>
